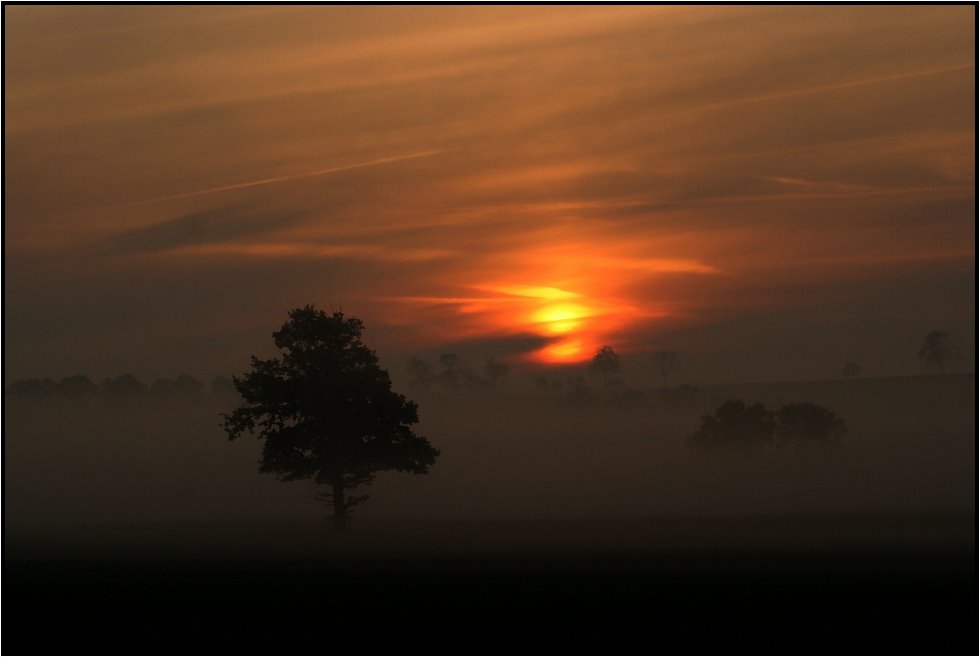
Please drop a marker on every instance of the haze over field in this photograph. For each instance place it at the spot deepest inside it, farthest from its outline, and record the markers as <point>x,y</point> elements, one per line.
<point>769,191</point>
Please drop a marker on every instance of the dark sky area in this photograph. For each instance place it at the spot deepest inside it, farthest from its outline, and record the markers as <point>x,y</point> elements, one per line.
<point>769,191</point>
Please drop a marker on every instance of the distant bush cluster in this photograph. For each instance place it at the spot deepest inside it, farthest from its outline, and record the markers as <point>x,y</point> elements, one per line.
<point>126,386</point>
<point>736,423</point>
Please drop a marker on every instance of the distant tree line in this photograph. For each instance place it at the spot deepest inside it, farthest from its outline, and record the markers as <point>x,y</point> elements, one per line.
<point>452,374</point>
<point>125,386</point>
<point>605,371</point>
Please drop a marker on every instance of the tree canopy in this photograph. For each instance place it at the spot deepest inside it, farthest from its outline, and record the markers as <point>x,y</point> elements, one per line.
<point>736,423</point>
<point>605,362</point>
<point>937,348</point>
<point>666,363</point>
<point>326,411</point>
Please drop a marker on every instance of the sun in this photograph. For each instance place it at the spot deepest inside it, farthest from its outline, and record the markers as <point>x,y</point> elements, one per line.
<point>560,319</point>
<point>565,351</point>
<point>572,317</point>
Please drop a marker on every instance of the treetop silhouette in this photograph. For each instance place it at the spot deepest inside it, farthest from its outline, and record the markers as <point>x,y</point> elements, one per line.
<point>937,348</point>
<point>326,411</point>
<point>605,362</point>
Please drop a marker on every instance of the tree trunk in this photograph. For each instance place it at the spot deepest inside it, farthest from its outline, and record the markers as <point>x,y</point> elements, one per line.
<point>339,506</point>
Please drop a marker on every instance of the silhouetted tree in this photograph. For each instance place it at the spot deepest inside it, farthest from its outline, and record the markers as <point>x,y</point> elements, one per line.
<point>471,380</point>
<point>78,386</point>
<point>735,423</point>
<point>810,422</point>
<point>455,376</point>
<point>33,388</point>
<point>496,371</point>
<point>326,411</point>
<point>851,370</point>
<point>665,362</point>
<point>936,349</point>
<point>223,386</point>
<point>605,362</point>
<point>124,386</point>
<point>164,389</point>
<point>422,375</point>
<point>188,387</point>
<point>579,392</point>
<point>450,375</point>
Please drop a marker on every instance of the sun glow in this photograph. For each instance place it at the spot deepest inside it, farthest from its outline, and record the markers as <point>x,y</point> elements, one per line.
<point>562,352</point>
<point>574,294</point>
<point>569,319</point>
<point>574,323</point>
<point>560,319</point>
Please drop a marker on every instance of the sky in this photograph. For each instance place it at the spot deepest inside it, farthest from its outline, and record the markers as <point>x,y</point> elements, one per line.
<point>768,191</point>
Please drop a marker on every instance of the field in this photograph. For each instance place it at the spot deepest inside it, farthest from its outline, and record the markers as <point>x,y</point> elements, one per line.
<point>544,526</point>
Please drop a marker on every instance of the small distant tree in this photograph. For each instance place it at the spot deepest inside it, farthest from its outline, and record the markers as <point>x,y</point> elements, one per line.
<point>736,423</point>
<point>809,422</point>
<point>579,393</point>
<point>164,389</point>
<point>449,362</point>
<point>605,362</point>
<point>123,387</point>
<point>33,388</point>
<point>325,410</point>
<point>223,386</point>
<point>496,371</point>
<point>665,362</point>
<point>937,349</point>
<point>471,380</point>
<point>851,370</point>
<point>450,374</point>
<point>77,386</point>
<point>188,387</point>
<point>421,374</point>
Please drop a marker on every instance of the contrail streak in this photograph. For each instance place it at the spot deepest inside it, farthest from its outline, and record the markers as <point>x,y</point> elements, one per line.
<point>278,179</point>
<point>778,95</point>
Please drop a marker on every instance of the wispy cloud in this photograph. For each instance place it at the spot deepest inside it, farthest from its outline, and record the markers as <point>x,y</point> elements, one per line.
<point>207,227</point>
<point>274,250</point>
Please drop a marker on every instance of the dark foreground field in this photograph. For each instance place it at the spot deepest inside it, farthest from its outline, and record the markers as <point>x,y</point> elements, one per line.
<point>891,585</point>
<point>545,527</point>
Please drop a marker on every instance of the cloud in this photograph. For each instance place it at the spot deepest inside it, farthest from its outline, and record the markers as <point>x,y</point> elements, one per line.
<point>475,350</point>
<point>281,250</point>
<point>207,227</point>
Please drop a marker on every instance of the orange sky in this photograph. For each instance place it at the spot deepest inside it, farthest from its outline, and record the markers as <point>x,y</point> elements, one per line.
<point>765,189</point>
